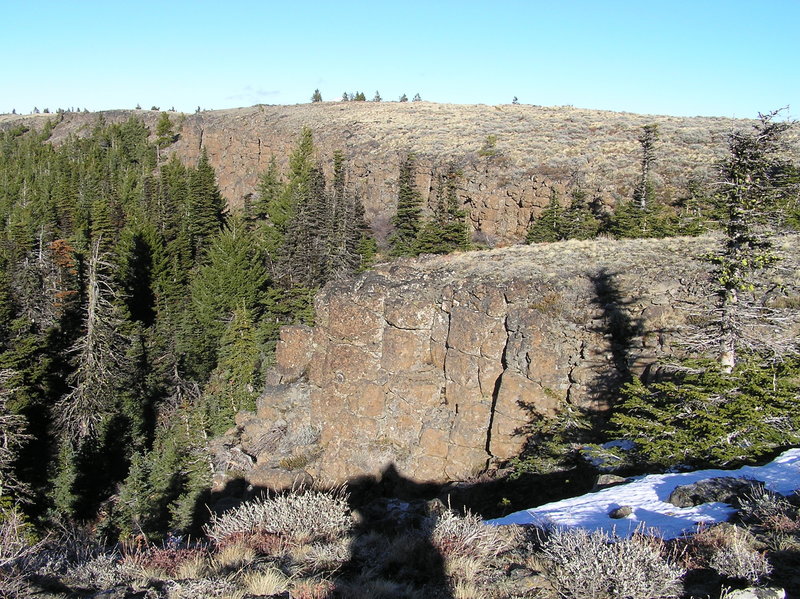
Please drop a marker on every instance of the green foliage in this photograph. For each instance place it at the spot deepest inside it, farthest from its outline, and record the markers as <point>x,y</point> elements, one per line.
<point>232,275</point>
<point>165,134</point>
<point>706,417</point>
<point>446,230</point>
<point>550,224</point>
<point>234,384</point>
<point>630,221</point>
<point>407,220</point>
<point>205,203</point>
<point>551,443</point>
<point>316,96</point>
<point>556,223</point>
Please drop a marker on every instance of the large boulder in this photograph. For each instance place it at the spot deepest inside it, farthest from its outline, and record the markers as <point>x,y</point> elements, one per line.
<point>722,489</point>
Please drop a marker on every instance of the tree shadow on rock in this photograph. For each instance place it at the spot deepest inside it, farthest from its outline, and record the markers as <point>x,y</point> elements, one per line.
<point>551,444</point>
<point>620,331</point>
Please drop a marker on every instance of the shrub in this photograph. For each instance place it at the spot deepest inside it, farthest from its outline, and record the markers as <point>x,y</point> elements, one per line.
<point>297,517</point>
<point>770,510</point>
<point>165,562</point>
<point>592,565</point>
<point>738,560</point>
<point>467,535</point>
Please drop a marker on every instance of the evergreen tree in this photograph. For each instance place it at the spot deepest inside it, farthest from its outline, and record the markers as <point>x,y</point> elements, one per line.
<point>752,183</point>
<point>233,385</point>
<point>551,223</point>
<point>644,192</point>
<point>704,416</point>
<point>231,275</point>
<point>206,205</point>
<point>99,355</point>
<point>407,220</point>
<point>580,221</point>
<point>446,230</point>
<point>165,134</point>
<point>269,193</point>
<point>376,97</point>
<point>316,96</point>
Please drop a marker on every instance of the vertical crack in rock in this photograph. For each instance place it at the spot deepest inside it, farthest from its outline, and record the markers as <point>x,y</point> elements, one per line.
<point>496,392</point>
<point>200,142</point>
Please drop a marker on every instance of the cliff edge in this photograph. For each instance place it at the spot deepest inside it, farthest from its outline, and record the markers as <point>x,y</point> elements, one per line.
<point>439,366</point>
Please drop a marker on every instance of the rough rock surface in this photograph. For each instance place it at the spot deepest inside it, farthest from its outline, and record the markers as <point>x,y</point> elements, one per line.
<point>723,489</point>
<point>437,367</point>
<point>511,158</point>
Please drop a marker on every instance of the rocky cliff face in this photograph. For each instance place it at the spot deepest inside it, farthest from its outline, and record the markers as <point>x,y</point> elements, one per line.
<point>512,157</point>
<point>438,366</point>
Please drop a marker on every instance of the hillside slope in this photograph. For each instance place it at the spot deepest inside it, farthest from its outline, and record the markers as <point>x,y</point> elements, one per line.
<point>512,157</point>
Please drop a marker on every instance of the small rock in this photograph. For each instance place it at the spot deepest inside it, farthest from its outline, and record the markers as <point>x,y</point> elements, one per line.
<point>757,593</point>
<point>608,480</point>
<point>622,511</point>
<point>723,489</point>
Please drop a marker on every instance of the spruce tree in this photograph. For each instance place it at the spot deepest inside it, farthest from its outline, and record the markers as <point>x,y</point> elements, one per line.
<point>165,134</point>
<point>407,220</point>
<point>752,183</point>
<point>231,275</point>
<point>206,205</point>
<point>550,224</point>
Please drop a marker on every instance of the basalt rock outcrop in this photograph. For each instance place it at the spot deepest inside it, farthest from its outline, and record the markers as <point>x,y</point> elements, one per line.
<point>512,158</point>
<point>439,367</point>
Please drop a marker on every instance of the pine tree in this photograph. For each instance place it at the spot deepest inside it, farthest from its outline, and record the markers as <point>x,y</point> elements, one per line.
<point>165,134</point>
<point>316,96</point>
<point>230,276</point>
<point>407,220</point>
<point>206,205</point>
<point>752,182</point>
<point>550,225</point>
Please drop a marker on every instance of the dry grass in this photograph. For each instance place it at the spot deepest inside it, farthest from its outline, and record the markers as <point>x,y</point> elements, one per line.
<point>233,556</point>
<point>196,566</point>
<point>267,582</point>
<point>467,535</point>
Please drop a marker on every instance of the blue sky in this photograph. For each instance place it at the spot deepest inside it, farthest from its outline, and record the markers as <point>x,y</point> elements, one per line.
<point>701,57</point>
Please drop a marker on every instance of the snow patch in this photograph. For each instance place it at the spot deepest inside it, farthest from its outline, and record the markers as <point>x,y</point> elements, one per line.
<point>648,494</point>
